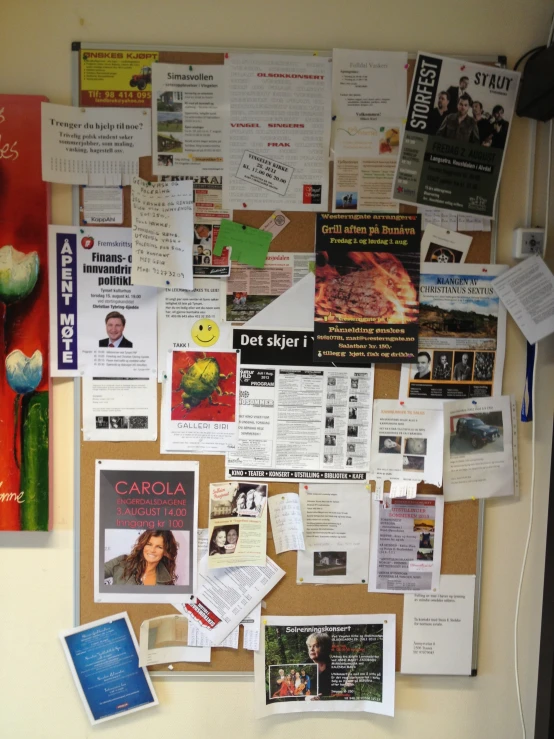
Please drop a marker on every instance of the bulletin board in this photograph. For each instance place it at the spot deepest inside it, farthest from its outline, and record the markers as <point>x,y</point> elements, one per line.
<point>463,521</point>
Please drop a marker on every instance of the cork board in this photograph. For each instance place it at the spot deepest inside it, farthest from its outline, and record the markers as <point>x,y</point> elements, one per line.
<point>459,553</point>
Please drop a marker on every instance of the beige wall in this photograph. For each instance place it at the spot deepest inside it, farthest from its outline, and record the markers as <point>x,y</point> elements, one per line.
<point>37,695</point>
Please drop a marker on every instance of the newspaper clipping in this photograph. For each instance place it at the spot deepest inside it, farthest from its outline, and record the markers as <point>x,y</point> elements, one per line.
<point>326,663</point>
<point>462,334</point>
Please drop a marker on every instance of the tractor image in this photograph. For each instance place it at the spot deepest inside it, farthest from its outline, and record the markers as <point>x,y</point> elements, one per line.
<point>143,78</point>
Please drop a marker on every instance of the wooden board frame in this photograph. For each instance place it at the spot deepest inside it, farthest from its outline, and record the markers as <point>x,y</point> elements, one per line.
<point>463,521</point>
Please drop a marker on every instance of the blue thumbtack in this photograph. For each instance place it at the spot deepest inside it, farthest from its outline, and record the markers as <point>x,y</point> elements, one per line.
<point>474,402</point>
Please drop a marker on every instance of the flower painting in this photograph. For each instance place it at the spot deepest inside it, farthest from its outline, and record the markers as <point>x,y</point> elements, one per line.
<point>24,322</point>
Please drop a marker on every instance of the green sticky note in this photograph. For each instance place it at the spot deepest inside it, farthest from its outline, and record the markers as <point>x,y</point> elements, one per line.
<point>248,245</point>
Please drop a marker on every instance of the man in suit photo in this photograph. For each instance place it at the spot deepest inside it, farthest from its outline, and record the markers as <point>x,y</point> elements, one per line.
<point>115,325</point>
<point>455,93</point>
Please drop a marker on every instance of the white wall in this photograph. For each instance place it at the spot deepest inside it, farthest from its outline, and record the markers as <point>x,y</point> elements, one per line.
<point>37,695</point>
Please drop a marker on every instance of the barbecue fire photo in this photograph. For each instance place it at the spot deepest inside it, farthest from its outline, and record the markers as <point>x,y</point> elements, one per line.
<point>370,287</point>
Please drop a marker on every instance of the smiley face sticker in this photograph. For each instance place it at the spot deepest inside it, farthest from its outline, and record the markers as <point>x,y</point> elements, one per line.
<point>205,332</point>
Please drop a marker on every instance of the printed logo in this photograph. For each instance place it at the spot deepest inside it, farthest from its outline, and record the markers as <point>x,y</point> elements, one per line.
<point>311,194</point>
<point>478,203</point>
<point>87,242</point>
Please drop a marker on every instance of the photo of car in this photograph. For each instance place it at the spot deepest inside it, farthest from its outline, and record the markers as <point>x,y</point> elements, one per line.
<point>476,432</point>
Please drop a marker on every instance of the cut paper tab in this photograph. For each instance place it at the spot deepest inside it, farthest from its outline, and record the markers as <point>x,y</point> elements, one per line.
<point>403,489</point>
<point>249,245</point>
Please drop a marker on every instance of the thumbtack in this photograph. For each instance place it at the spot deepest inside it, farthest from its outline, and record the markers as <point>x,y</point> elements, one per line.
<point>385,621</point>
<point>82,231</point>
<point>401,402</point>
<point>85,222</point>
<point>167,282</point>
<point>226,55</point>
<point>300,579</point>
<point>170,667</point>
<point>334,118</point>
<point>244,228</point>
<point>192,597</point>
<point>244,205</point>
<point>190,68</point>
<point>463,67</point>
<point>485,269</point>
<point>406,66</point>
<point>363,580</point>
<point>474,402</point>
<point>472,498</point>
<point>316,53</point>
<point>305,487</point>
<point>83,110</point>
<point>265,621</point>
<point>282,497</point>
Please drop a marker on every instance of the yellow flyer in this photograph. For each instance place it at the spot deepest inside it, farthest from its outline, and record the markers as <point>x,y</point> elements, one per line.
<point>116,78</point>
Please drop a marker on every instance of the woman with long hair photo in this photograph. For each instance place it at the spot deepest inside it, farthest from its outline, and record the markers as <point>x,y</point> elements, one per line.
<point>152,561</point>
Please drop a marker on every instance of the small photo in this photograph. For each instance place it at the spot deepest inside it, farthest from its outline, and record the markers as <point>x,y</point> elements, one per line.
<point>119,422</point>
<point>327,564</point>
<point>138,422</point>
<point>102,422</point>
<point>170,142</point>
<point>351,448</point>
<point>330,440</point>
<point>422,369</point>
<point>292,681</point>
<point>442,254</point>
<point>330,396</point>
<point>202,237</point>
<point>352,431</point>
<point>353,399</point>
<point>425,555</point>
<point>390,445</point>
<point>170,121</point>
<point>329,422</point>
<point>331,381</point>
<point>224,539</point>
<point>353,413</point>
<point>171,102</point>
<point>165,160</point>
<point>427,540</point>
<point>477,432</point>
<point>442,365</point>
<point>349,461</point>
<point>250,500</point>
<point>354,383</point>
<point>415,446</point>
<point>425,525</point>
<point>416,464</point>
<point>346,200</point>
<point>328,458</point>
<point>329,409</point>
<point>463,366</point>
<point>484,366</point>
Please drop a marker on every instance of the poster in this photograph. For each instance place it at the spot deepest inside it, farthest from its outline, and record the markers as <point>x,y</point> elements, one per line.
<point>238,524</point>
<point>104,662</point>
<point>406,544</point>
<point>121,78</point>
<point>189,319</point>
<point>100,324</point>
<point>249,290</point>
<point>437,629</point>
<point>336,525</point>
<point>480,448</point>
<point>369,105</point>
<point>189,133</point>
<point>280,127</point>
<point>298,422</point>
<point>325,663</point>
<point>366,293</point>
<point>92,146</point>
<point>120,409</point>
<point>145,523</point>
<point>452,150</point>
<point>200,402</point>
<point>462,334</point>
<point>162,215</point>
<point>24,323</point>
<point>406,445</point>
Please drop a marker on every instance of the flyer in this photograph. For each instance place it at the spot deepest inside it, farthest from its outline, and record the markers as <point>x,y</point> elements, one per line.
<point>102,205</point>
<point>366,293</point>
<point>165,639</point>
<point>406,445</point>
<point>189,133</point>
<point>298,421</point>
<point>205,262</point>
<point>200,402</point>
<point>120,409</point>
<point>457,129</point>
<point>189,319</point>
<point>92,146</point>
<point>249,290</point>
<point>336,524</point>
<point>121,77</point>
<point>208,194</point>
<point>287,527</point>
<point>480,448</point>
<point>104,663</point>
<point>369,105</point>
<point>326,663</point>
<point>462,334</point>
<point>443,246</point>
<point>238,524</point>
<point>162,233</point>
<point>226,596</point>
<point>145,526</point>
<point>100,324</point>
<point>280,128</point>
<point>437,629</point>
<point>406,544</point>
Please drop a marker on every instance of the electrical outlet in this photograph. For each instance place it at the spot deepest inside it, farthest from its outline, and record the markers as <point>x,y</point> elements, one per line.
<point>528,242</point>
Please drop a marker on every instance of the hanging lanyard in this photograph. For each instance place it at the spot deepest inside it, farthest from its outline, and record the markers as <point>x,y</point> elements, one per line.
<point>527,400</point>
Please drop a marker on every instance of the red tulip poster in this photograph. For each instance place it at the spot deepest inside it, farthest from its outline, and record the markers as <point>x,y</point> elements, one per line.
<point>24,380</point>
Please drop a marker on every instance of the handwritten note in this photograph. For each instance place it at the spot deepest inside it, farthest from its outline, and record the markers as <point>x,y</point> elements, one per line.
<point>162,233</point>
<point>286,522</point>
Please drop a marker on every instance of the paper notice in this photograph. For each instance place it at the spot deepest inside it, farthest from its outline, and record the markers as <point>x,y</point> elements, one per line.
<point>527,291</point>
<point>102,205</point>
<point>120,409</point>
<point>286,522</point>
<point>443,245</point>
<point>93,146</point>
<point>165,639</point>
<point>162,233</point>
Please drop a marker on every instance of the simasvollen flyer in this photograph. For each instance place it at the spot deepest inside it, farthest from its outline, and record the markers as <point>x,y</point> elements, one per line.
<point>457,129</point>
<point>366,291</point>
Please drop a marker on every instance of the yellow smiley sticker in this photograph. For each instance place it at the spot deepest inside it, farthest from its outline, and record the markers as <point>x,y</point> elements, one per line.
<point>205,332</point>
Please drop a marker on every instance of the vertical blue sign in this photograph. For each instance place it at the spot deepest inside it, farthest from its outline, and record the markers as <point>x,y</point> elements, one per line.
<point>66,323</point>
